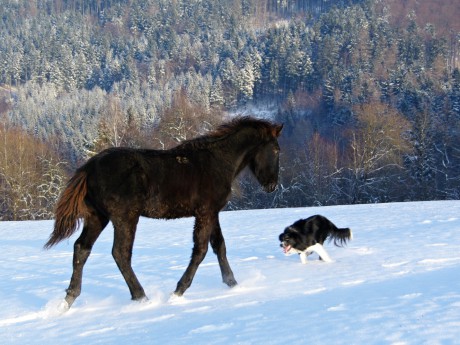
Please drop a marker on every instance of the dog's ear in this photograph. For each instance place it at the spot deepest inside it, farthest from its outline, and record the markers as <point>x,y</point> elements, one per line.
<point>281,237</point>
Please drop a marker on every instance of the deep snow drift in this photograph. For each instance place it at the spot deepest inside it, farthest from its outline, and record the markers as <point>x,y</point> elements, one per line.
<point>397,282</point>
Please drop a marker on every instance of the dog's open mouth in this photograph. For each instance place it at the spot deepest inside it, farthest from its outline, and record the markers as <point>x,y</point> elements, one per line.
<point>286,248</point>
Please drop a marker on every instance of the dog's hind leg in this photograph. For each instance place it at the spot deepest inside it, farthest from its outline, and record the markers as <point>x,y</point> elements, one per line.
<point>319,249</point>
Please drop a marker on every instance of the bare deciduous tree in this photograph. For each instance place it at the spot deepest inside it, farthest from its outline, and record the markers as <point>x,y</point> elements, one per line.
<point>184,120</point>
<point>31,176</point>
<point>376,148</point>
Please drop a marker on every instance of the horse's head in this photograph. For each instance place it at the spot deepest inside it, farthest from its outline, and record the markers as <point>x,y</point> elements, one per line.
<point>265,164</point>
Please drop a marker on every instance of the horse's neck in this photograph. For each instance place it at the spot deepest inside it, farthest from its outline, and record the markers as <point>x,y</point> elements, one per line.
<point>243,145</point>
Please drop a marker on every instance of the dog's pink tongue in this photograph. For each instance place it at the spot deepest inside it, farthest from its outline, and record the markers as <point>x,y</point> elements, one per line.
<point>286,249</point>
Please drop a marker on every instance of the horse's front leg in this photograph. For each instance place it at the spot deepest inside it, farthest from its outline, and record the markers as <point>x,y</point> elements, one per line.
<point>219,248</point>
<point>201,235</point>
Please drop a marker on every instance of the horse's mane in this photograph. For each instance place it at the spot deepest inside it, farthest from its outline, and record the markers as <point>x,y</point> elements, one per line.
<point>263,127</point>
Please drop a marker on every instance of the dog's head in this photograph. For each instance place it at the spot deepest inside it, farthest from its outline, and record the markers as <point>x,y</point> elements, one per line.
<point>292,241</point>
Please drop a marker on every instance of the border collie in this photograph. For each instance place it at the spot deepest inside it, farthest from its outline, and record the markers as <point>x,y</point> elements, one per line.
<point>308,235</point>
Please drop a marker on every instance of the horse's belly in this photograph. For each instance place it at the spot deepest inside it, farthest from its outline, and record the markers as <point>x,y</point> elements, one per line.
<point>166,211</point>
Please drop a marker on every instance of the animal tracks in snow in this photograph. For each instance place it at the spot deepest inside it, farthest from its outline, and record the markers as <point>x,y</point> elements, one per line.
<point>251,258</point>
<point>96,331</point>
<point>54,308</point>
<point>439,261</point>
<point>362,250</point>
<point>353,282</point>
<point>430,221</point>
<point>212,328</point>
<point>411,296</point>
<point>340,307</point>
<point>314,291</point>
<point>394,264</point>
<point>437,245</point>
<point>198,309</point>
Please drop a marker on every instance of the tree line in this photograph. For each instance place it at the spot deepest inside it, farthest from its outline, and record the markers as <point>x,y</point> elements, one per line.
<point>370,108</point>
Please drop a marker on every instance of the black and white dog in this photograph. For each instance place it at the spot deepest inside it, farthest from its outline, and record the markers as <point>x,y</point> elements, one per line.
<point>308,235</point>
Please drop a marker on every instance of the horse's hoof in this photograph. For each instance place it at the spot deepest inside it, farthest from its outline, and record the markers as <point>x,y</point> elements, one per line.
<point>180,289</point>
<point>177,293</point>
<point>69,301</point>
<point>141,299</point>
<point>231,282</point>
<point>174,298</point>
<point>140,296</point>
<point>63,307</point>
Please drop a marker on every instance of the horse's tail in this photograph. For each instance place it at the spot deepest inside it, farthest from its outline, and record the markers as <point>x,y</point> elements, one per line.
<point>70,209</point>
<point>340,236</point>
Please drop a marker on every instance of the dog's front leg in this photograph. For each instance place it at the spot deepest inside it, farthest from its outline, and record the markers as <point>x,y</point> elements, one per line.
<point>303,257</point>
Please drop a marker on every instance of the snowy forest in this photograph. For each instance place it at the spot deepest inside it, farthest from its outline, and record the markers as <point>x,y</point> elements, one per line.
<point>368,91</point>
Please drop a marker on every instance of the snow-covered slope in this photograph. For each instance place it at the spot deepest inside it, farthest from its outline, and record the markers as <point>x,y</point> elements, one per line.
<point>397,282</point>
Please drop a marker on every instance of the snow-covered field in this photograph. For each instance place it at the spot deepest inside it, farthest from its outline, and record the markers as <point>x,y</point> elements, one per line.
<point>397,282</point>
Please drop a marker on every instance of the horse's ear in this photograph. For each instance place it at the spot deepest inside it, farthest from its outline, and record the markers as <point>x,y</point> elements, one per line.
<point>277,130</point>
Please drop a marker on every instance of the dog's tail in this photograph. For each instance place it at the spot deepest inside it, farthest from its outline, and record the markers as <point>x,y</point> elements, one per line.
<point>340,236</point>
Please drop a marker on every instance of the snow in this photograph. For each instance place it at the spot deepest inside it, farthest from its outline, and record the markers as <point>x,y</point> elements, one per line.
<point>397,282</point>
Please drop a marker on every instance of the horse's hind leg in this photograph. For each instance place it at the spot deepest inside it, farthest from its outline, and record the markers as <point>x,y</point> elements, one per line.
<point>219,248</point>
<point>93,226</point>
<point>122,252</point>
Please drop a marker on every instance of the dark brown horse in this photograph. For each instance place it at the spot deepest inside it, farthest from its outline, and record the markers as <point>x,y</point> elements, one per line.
<point>192,179</point>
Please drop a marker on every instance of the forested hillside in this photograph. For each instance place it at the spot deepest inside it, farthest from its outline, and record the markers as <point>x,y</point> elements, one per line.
<point>369,92</point>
